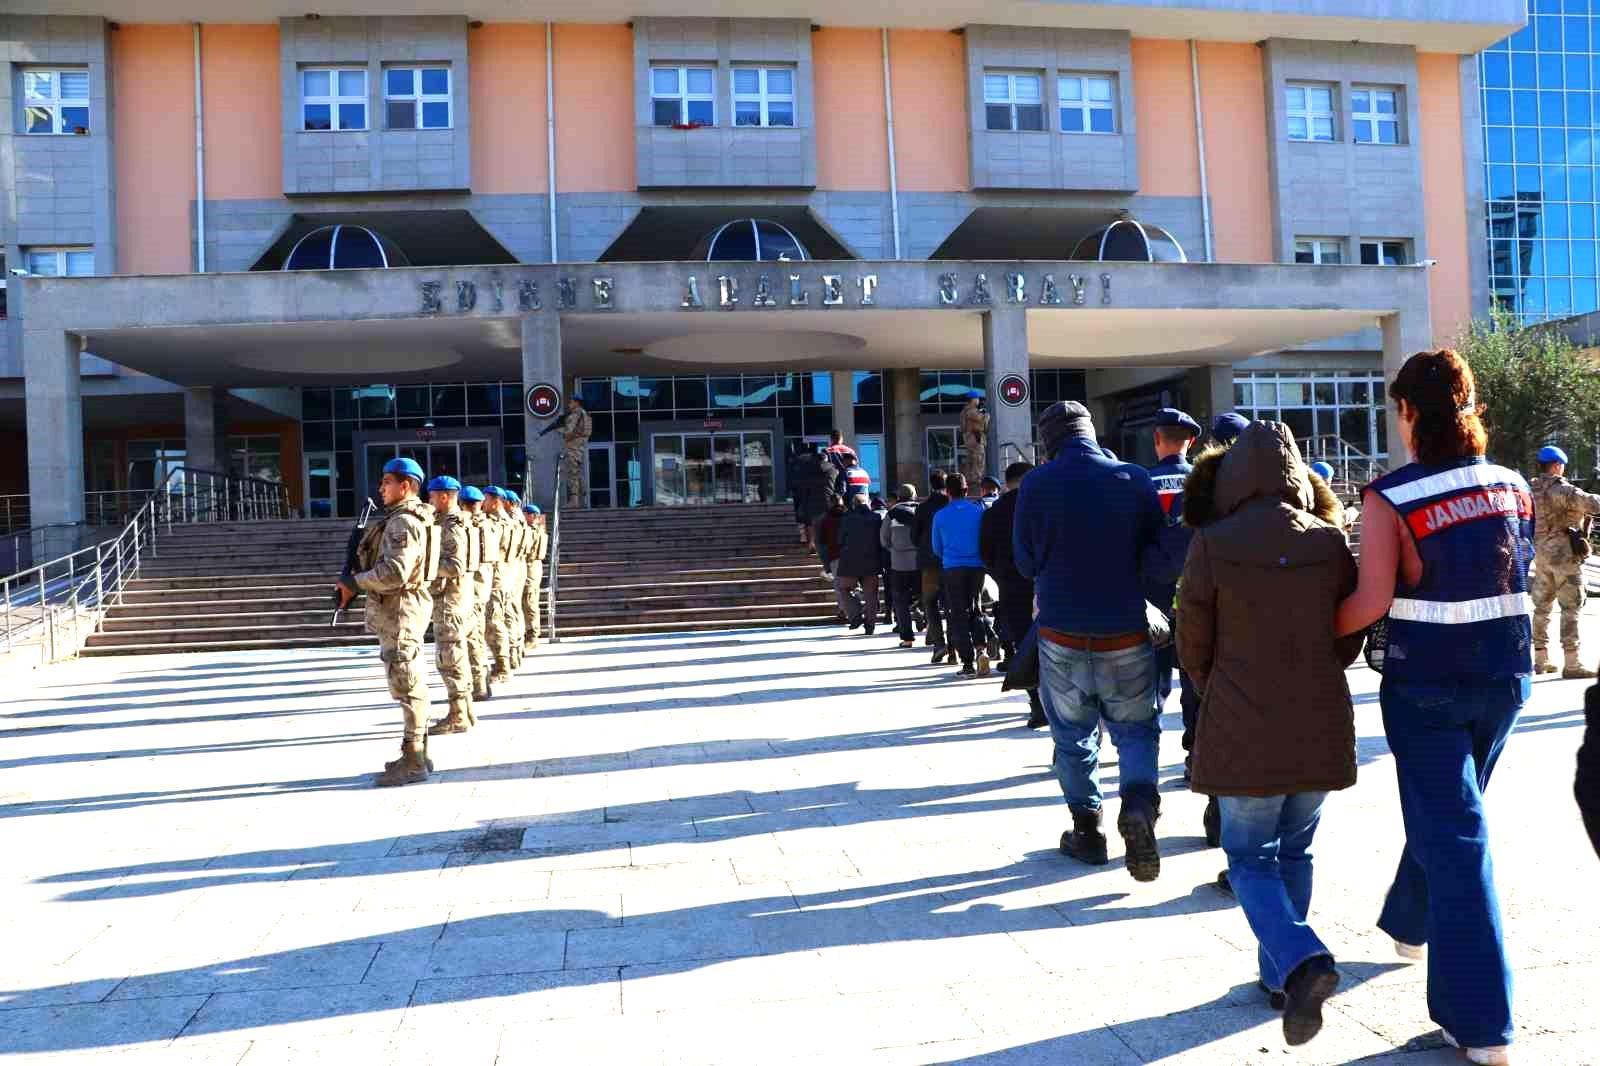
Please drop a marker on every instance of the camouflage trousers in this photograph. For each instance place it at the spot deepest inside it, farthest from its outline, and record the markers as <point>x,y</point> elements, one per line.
<point>517,577</point>
<point>451,623</point>
<point>402,667</point>
<point>572,474</point>
<point>477,648</point>
<point>530,603</point>
<point>975,465</point>
<point>494,627</point>
<point>1557,585</point>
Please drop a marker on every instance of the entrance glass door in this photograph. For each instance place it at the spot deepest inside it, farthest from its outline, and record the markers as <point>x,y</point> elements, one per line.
<point>465,460</point>
<point>322,484</point>
<point>707,468</point>
<point>601,476</point>
<point>944,449</point>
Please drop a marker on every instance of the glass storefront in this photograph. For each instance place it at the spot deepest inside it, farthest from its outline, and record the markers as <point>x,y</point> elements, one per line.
<point>1326,409</point>
<point>707,468</point>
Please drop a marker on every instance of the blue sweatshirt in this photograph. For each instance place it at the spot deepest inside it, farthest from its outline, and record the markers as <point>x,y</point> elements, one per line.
<point>955,533</point>
<point>1083,523</point>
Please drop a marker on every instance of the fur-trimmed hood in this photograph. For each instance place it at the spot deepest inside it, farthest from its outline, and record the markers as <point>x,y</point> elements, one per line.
<point>1269,466</point>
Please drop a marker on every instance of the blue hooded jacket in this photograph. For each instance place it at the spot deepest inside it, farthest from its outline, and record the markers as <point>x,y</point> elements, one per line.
<point>955,533</point>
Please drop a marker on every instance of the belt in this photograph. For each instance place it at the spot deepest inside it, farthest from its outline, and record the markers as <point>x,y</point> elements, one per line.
<point>1080,642</point>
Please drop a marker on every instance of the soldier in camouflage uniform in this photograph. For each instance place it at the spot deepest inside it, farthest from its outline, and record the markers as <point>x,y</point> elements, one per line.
<point>482,577</point>
<point>538,543</point>
<point>397,557</point>
<point>495,632</point>
<point>576,429</point>
<point>517,567</point>
<point>975,435</point>
<point>452,605</point>
<point>1559,506</point>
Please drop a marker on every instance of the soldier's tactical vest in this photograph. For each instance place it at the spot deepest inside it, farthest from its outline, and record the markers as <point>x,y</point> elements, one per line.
<point>371,547</point>
<point>1469,616</point>
<point>489,530</point>
<point>474,541</point>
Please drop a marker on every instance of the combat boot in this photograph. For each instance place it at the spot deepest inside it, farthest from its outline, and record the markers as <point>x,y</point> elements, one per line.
<point>1541,661</point>
<point>412,766</point>
<point>1136,822</point>
<point>1574,667</point>
<point>1084,841</point>
<point>450,723</point>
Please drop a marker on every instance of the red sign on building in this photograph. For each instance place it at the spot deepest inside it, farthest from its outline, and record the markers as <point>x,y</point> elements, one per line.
<point>544,401</point>
<point>1013,390</point>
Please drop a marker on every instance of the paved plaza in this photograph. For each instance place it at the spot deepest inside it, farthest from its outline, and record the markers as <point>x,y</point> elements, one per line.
<point>765,846</point>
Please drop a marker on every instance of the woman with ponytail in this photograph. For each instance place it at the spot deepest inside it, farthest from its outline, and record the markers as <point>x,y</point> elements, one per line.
<point>1446,544</point>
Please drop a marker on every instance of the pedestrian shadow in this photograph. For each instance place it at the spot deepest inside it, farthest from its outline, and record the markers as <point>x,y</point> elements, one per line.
<point>395,970</point>
<point>1534,723</point>
<point>19,732</point>
<point>199,699</point>
<point>123,800</point>
<point>219,748</point>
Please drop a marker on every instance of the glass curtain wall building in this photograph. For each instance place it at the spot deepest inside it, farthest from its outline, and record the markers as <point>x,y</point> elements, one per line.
<point>1541,113</point>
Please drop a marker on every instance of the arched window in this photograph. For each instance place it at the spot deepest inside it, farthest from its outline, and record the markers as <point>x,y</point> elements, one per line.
<point>1129,241</point>
<point>751,240</point>
<point>344,248</point>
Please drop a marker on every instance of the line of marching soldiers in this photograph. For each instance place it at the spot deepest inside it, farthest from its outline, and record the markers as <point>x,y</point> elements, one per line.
<point>469,560</point>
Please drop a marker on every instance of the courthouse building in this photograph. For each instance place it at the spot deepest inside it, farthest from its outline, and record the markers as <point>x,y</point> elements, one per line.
<point>254,238</point>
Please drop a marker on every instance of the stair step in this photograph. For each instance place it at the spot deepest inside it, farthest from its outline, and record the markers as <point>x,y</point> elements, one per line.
<point>233,608</point>
<point>202,634</point>
<point>706,612</point>
<point>322,578</point>
<point>355,640</point>
<point>691,627</point>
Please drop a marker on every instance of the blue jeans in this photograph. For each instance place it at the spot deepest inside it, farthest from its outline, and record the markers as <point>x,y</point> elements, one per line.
<point>1268,843</point>
<point>1446,737</point>
<point>1078,689</point>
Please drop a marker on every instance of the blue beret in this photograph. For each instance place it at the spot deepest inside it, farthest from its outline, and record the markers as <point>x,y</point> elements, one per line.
<point>531,508</point>
<point>1551,454</point>
<point>472,494</point>
<point>974,394</point>
<point>405,468</point>
<point>1322,470</point>
<point>495,490</point>
<point>1172,418</point>
<point>444,483</point>
<point>1226,428</point>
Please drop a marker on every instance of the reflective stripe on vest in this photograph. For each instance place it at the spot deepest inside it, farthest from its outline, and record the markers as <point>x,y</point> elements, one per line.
<point>1465,477</point>
<point>1463,612</point>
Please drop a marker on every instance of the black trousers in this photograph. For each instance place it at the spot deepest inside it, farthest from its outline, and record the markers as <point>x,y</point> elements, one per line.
<point>933,605</point>
<point>1014,612</point>
<point>905,586</point>
<point>1188,698</point>
<point>962,584</point>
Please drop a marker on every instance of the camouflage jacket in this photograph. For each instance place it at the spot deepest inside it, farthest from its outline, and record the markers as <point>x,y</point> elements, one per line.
<point>393,557</point>
<point>974,424</point>
<point>1559,505</point>
<point>578,429</point>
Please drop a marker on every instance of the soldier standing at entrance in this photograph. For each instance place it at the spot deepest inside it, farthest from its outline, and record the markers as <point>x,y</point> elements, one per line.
<point>517,568</point>
<point>1561,513</point>
<point>537,545</point>
<point>477,647</point>
<point>975,435</point>
<point>497,530</point>
<point>398,557</point>
<point>452,604</point>
<point>576,430</point>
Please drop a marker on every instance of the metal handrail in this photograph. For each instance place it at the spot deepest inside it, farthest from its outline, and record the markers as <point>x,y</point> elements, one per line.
<point>15,509</point>
<point>1350,464</point>
<point>1025,454</point>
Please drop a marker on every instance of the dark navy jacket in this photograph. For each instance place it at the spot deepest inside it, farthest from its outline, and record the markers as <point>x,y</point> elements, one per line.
<point>1083,524</point>
<point>1163,563</point>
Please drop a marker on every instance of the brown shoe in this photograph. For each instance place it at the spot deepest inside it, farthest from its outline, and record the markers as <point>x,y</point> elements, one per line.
<point>1542,663</point>
<point>451,723</point>
<point>1575,672</point>
<point>409,770</point>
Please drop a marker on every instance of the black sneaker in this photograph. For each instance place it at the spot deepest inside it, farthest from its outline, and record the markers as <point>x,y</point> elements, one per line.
<point>854,625</point>
<point>1084,841</point>
<point>1036,718</point>
<point>1276,1000</point>
<point>1212,820</point>
<point>967,670</point>
<point>1224,885</point>
<point>868,630</point>
<point>938,654</point>
<point>1136,822</point>
<point>1312,982</point>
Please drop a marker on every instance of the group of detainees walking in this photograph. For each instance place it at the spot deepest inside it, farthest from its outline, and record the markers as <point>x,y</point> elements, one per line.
<point>1243,556</point>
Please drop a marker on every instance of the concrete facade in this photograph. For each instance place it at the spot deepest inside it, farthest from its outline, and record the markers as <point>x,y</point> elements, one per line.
<point>724,155</point>
<point>1051,159</point>
<point>378,158</point>
<point>1340,189</point>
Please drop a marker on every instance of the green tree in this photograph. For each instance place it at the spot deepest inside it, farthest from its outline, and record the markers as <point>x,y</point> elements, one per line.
<point>1536,388</point>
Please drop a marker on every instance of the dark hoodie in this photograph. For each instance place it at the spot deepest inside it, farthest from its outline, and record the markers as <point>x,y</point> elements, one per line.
<point>1265,572</point>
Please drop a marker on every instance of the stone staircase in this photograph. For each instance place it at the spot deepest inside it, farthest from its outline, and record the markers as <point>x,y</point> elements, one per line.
<point>233,586</point>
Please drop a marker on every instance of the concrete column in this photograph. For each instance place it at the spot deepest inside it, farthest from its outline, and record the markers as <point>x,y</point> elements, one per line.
<point>905,415</point>
<point>54,405</point>
<point>205,429</point>
<point>1210,391</point>
<point>844,404</point>
<point>1005,351</point>
<point>1404,335</point>
<point>541,365</point>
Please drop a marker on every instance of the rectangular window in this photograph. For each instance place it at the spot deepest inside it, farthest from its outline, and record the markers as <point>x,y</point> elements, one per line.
<point>1375,115</point>
<point>55,101</point>
<point>417,98</point>
<point>59,262</point>
<point>1087,103</point>
<point>763,96</point>
<point>1013,101</point>
<point>684,96</point>
<point>1318,250</point>
<point>1310,112</point>
<point>333,98</point>
<point>1384,253</point>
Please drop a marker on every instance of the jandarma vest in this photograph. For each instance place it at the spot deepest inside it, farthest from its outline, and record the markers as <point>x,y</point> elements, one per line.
<point>1169,479</point>
<point>1469,616</point>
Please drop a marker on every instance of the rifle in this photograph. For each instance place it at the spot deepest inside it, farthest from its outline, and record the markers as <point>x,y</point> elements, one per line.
<point>557,424</point>
<point>345,590</point>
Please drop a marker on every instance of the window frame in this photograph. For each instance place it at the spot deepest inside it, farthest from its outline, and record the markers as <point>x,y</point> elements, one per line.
<point>1084,104</point>
<point>417,97</point>
<point>1011,103</point>
<point>334,100</point>
<point>1374,117</point>
<point>56,104</point>
<point>1407,258</point>
<point>1318,247</point>
<point>763,97</point>
<point>1307,114</point>
<point>62,252</point>
<point>683,96</point>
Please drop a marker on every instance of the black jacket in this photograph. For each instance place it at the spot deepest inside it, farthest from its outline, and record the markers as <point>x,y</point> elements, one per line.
<point>810,479</point>
<point>994,539</point>
<point>1588,783</point>
<point>858,542</point>
<point>922,530</point>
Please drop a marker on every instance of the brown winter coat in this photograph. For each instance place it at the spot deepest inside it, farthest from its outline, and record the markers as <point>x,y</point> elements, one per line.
<point>1266,569</point>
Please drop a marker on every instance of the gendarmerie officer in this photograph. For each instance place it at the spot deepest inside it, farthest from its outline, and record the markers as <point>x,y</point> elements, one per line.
<point>538,545</point>
<point>471,500</point>
<point>1174,431</point>
<point>496,619</point>
<point>452,604</point>
<point>1561,513</point>
<point>517,572</point>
